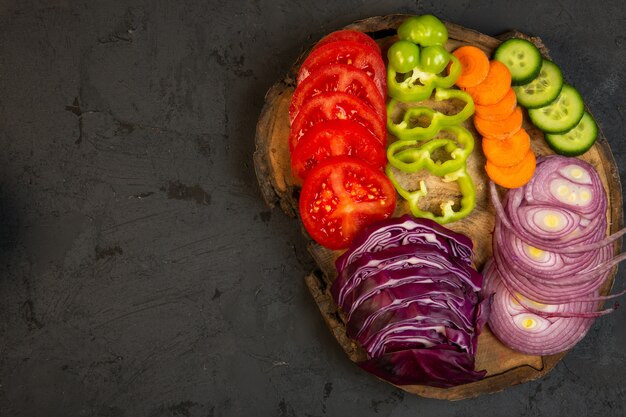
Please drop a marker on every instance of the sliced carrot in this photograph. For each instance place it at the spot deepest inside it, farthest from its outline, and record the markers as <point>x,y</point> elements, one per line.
<point>515,176</point>
<point>474,66</point>
<point>500,110</point>
<point>509,151</point>
<point>494,87</point>
<point>500,129</point>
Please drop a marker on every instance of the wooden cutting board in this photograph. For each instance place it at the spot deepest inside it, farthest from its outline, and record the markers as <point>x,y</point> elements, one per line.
<point>504,366</point>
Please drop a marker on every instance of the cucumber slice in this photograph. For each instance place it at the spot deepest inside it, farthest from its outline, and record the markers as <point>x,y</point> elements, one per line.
<point>543,89</point>
<point>562,114</point>
<point>576,141</point>
<point>522,58</point>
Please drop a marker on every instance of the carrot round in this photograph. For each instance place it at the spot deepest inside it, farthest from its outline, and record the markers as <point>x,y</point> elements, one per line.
<point>500,129</point>
<point>509,151</point>
<point>474,66</point>
<point>515,176</point>
<point>500,110</point>
<point>494,87</point>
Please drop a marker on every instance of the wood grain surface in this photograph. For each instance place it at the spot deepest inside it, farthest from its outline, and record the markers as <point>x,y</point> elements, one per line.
<point>504,366</point>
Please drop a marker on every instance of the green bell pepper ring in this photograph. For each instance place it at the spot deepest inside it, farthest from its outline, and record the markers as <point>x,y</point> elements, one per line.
<point>408,156</point>
<point>418,84</point>
<point>436,120</point>
<point>448,215</point>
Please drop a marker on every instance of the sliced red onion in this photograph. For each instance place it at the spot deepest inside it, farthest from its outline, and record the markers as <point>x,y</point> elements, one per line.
<point>550,257</point>
<point>528,332</point>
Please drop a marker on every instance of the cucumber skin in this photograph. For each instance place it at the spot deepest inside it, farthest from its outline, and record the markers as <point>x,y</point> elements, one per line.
<point>525,80</point>
<point>563,152</point>
<point>552,140</point>
<point>548,129</point>
<point>547,102</point>
<point>501,51</point>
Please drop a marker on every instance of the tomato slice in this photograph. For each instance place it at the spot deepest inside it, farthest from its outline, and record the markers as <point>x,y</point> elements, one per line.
<point>342,78</point>
<point>342,195</point>
<point>335,105</point>
<point>350,53</point>
<point>348,35</point>
<point>335,138</point>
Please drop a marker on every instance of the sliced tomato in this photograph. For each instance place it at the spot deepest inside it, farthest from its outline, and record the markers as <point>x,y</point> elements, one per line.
<point>350,53</point>
<point>342,78</point>
<point>342,195</point>
<point>348,35</point>
<point>335,138</point>
<point>335,105</point>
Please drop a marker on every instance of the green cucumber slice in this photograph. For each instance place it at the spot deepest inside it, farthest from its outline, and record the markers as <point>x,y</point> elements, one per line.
<point>522,58</point>
<point>562,114</point>
<point>543,89</point>
<point>577,140</point>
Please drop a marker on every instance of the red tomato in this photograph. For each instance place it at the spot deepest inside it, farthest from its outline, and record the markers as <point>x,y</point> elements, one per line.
<point>348,35</point>
<point>335,138</point>
<point>342,195</point>
<point>342,78</point>
<point>335,105</point>
<point>350,53</point>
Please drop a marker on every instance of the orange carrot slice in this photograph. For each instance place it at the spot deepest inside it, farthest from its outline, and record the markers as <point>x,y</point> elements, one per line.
<point>474,66</point>
<point>494,87</point>
<point>509,151</point>
<point>515,176</point>
<point>500,129</point>
<point>500,110</point>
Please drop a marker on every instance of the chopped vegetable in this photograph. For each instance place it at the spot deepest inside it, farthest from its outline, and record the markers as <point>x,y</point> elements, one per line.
<point>434,59</point>
<point>335,138</point>
<point>411,300</point>
<point>348,35</point>
<point>424,30</point>
<point>340,196</point>
<point>413,155</point>
<point>509,151</point>
<point>575,141</point>
<point>500,129</point>
<point>555,228</point>
<point>403,56</point>
<point>501,110</point>
<point>422,122</point>
<point>560,115</point>
<point>353,54</point>
<point>341,78</point>
<point>336,106</point>
<point>474,66</point>
<point>525,331</point>
<point>542,90</point>
<point>418,84</point>
<point>494,87</point>
<point>513,176</point>
<point>447,213</point>
<point>521,57</point>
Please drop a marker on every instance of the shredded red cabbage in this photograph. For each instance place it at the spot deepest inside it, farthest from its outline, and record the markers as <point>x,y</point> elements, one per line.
<point>411,300</point>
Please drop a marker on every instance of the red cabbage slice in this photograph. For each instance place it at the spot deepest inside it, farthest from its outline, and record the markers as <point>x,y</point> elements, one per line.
<point>412,301</point>
<point>399,258</point>
<point>395,278</point>
<point>433,367</point>
<point>407,230</point>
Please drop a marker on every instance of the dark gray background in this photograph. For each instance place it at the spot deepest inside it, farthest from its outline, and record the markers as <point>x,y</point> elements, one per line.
<point>141,273</point>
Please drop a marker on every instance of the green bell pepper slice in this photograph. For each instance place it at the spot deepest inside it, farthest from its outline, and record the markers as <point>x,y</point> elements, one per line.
<point>418,84</point>
<point>411,156</point>
<point>436,120</point>
<point>448,215</point>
